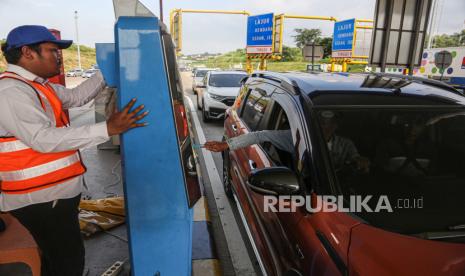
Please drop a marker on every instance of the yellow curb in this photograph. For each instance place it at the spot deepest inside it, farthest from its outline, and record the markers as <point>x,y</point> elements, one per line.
<point>209,267</point>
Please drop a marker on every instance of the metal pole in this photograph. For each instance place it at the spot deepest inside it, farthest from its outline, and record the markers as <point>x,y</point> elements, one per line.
<point>161,10</point>
<point>313,56</point>
<point>77,39</point>
<point>461,36</point>
<point>417,26</point>
<point>432,23</point>
<point>329,18</point>
<point>215,11</point>
<point>387,28</point>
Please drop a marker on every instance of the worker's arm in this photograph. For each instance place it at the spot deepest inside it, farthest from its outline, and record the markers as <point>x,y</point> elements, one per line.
<point>22,116</point>
<point>281,139</point>
<point>81,94</point>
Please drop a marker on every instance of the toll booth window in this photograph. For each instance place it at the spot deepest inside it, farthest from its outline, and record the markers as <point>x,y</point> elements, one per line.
<point>254,108</point>
<point>172,70</point>
<point>181,120</point>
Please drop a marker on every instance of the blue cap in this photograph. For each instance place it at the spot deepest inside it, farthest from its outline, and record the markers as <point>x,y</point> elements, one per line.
<point>31,34</point>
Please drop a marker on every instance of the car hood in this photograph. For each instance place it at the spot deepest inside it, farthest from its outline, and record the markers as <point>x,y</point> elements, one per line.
<point>198,80</point>
<point>224,91</point>
<point>374,251</point>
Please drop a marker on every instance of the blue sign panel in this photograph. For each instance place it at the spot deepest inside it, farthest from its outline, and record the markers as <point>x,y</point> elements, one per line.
<point>158,215</point>
<point>343,35</point>
<point>260,34</point>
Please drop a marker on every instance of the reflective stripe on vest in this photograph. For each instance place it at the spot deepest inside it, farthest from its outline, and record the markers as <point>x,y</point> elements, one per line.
<point>24,170</point>
<point>41,169</point>
<point>12,146</point>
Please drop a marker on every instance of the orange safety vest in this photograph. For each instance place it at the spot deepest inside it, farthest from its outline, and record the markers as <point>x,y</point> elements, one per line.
<point>24,170</point>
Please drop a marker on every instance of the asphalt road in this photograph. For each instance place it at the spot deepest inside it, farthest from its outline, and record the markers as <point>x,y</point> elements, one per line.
<point>239,260</point>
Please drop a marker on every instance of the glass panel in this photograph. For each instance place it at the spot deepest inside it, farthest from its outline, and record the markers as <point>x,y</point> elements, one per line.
<point>397,14</point>
<point>182,121</point>
<point>254,108</point>
<point>404,48</point>
<point>392,47</point>
<point>378,45</point>
<point>423,14</point>
<point>419,49</point>
<point>409,15</point>
<point>381,13</point>
<point>399,154</point>
<point>226,80</point>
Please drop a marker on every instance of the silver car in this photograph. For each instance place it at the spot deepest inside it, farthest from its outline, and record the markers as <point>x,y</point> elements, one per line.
<point>198,76</point>
<point>75,73</point>
<point>89,73</point>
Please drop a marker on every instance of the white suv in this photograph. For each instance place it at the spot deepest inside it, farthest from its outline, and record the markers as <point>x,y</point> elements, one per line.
<point>217,92</point>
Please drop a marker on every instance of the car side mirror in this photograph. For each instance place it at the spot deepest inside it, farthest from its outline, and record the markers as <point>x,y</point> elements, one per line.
<point>274,181</point>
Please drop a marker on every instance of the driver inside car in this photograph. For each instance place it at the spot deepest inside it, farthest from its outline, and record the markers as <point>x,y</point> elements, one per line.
<point>342,150</point>
<point>409,153</point>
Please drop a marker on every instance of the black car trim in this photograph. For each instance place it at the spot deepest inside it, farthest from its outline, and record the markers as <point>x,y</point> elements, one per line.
<point>307,106</point>
<point>346,107</point>
<point>341,266</point>
<point>284,82</point>
<point>429,82</point>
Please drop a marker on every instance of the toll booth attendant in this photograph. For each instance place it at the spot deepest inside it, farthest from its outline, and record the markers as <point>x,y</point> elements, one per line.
<point>40,165</point>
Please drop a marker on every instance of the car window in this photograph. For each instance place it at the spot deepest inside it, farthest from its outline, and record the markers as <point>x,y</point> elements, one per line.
<point>280,149</point>
<point>226,80</point>
<point>254,108</point>
<point>200,73</point>
<point>413,154</point>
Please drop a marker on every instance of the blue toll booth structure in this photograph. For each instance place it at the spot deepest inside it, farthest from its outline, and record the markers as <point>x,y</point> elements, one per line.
<point>159,170</point>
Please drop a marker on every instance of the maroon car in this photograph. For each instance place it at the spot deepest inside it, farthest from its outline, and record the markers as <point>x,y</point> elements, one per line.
<point>405,138</point>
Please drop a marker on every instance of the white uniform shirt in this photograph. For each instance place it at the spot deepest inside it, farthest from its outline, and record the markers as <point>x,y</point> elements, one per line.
<point>22,116</point>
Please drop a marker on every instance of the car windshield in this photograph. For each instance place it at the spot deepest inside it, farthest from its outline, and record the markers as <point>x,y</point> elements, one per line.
<point>414,158</point>
<point>200,73</point>
<point>226,80</point>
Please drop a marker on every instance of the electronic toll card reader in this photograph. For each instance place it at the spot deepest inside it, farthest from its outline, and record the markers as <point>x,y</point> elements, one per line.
<point>159,169</point>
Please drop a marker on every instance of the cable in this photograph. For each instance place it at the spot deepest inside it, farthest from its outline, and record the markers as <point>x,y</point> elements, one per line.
<point>115,236</point>
<point>116,182</point>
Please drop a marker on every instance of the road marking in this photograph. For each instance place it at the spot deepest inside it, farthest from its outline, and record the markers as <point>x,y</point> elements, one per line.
<point>237,250</point>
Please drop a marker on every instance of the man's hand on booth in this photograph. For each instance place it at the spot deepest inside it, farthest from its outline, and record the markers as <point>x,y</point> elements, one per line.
<point>122,121</point>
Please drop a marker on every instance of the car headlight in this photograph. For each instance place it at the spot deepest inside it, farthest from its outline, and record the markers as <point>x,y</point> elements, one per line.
<point>215,97</point>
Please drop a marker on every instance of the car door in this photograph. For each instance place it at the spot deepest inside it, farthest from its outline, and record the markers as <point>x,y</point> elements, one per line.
<point>281,226</point>
<point>323,238</point>
<point>241,121</point>
<point>268,229</point>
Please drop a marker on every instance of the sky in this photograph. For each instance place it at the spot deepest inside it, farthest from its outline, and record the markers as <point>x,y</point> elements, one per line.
<point>201,32</point>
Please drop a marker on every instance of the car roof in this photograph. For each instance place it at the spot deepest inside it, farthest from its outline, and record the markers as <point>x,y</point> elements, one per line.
<point>314,83</point>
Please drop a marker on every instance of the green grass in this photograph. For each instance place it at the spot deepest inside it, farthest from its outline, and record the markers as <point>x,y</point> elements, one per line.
<point>287,66</point>
<point>226,61</point>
